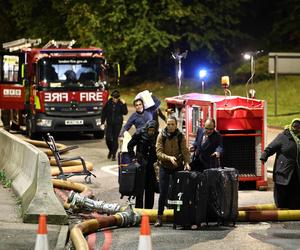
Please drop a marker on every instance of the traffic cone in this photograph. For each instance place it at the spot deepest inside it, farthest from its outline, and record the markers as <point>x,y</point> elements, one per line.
<point>145,234</point>
<point>41,242</point>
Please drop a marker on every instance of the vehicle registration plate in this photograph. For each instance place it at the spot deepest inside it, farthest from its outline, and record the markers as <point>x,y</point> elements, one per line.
<point>73,122</point>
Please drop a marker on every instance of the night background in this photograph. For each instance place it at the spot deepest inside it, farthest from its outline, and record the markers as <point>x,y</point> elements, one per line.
<point>141,34</point>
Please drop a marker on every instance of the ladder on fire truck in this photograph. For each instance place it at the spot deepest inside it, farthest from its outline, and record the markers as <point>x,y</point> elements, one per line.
<point>21,44</point>
<point>59,44</point>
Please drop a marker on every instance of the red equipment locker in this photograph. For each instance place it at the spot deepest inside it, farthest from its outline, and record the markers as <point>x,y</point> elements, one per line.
<point>240,120</point>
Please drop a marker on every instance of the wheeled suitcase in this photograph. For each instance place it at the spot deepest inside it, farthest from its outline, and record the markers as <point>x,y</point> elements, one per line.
<point>188,197</point>
<point>223,195</point>
<point>131,180</point>
<point>123,161</point>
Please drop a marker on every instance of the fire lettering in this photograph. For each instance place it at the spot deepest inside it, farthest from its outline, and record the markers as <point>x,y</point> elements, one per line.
<point>90,96</point>
<point>56,97</point>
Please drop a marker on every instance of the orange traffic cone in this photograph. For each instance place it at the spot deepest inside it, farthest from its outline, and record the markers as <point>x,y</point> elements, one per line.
<point>41,242</point>
<point>145,234</point>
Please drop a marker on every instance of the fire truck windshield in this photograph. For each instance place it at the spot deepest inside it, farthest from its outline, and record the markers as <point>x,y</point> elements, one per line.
<point>71,73</point>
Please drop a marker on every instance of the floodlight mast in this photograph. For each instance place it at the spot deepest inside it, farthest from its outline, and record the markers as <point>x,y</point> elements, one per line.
<point>177,57</point>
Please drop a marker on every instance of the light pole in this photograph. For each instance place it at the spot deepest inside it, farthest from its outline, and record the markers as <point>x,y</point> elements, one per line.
<point>177,57</point>
<point>202,74</point>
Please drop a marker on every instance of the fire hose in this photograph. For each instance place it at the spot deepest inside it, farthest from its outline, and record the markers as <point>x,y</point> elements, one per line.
<point>74,166</point>
<point>254,213</point>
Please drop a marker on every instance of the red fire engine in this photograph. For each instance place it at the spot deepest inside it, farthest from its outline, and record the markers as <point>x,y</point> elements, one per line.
<point>59,88</point>
<point>242,123</point>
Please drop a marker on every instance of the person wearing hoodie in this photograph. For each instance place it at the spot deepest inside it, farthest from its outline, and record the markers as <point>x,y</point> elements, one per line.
<point>112,114</point>
<point>145,140</point>
<point>286,169</point>
<point>173,155</point>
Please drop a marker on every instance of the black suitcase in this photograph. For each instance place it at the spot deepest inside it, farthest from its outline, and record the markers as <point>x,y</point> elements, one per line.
<point>223,195</point>
<point>123,161</point>
<point>131,180</point>
<point>188,197</point>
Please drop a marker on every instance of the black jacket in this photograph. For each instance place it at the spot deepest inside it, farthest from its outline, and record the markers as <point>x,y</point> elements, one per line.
<point>214,143</point>
<point>113,112</point>
<point>286,157</point>
<point>145,146</point>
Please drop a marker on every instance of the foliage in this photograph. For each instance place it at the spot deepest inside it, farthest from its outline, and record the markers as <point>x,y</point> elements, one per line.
<point>288,97</point>
<point>5,182</point>
<point>141,33</point>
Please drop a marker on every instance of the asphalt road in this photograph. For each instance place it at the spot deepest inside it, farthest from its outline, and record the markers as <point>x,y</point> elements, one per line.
<point>263,235</point>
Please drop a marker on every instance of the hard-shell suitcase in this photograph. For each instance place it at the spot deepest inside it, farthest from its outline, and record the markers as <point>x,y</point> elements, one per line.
<point>188,196</point>
<point>131,180</point>
<point>223,195</point>
<point>123,161</point>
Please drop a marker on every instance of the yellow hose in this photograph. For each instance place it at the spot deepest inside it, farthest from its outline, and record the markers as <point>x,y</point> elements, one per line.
<point>258,207</point>
<point>71,169</point>
<point>44,147</point>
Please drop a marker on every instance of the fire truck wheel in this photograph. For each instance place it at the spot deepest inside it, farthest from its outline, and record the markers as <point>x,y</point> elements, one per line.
<point>99,134</point>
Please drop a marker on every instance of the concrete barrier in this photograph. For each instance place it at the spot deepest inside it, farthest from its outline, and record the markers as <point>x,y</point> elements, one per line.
<point>29,169</point>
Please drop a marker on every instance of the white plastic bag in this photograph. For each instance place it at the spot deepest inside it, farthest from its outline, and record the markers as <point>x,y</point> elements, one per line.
<point>146,96</point>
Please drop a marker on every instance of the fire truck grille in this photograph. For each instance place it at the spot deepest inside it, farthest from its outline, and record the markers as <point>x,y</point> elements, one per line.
<point>239,153</point>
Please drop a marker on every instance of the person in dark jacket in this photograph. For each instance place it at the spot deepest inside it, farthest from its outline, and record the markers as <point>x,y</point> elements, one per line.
<point>207,145</point>
<point>141,115</point>
<point>112,113</point>
<point>286,169</point>
<point>145,140</point>
<point>173,155</point>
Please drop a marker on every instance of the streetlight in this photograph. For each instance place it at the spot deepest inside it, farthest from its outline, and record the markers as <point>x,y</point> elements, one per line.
<point>177,57</point>
<point>202,75</point>
<point>251,56</point>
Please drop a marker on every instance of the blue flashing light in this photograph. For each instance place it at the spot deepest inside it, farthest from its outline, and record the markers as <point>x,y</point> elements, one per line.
<point>202,73</point>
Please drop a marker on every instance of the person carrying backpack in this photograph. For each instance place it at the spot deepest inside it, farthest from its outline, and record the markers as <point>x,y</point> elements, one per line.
<point>173,155</point>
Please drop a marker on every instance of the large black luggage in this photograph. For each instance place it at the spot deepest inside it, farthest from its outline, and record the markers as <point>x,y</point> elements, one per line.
<point>188,197</point>
<point>223,195</point>
<point>131,177</point>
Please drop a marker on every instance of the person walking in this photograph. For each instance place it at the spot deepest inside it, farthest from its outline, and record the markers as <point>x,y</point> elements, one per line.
<point>145,140</point>
<point>286,169</point>
<point>173,155</point>
<point>207,145</point>
<point>141,115</point>
<point>112,114</point>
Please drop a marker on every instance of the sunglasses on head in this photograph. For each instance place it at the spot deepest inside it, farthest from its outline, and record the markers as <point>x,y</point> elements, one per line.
<point>209,128</point>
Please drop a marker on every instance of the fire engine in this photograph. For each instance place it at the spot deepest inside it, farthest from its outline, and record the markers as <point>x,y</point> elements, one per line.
<point>241,122</point>
<point>59,88</point>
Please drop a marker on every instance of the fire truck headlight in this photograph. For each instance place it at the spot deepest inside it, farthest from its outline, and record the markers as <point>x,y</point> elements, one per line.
<point>98,122</point>
<point>44,123</point>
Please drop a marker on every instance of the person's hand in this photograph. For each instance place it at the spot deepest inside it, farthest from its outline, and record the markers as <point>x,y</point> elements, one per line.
<point>187,167</point>
<point>173,160</point>
<point>263,157</point>
<point>192,149</point>
<point>122,101</point>
<point>102,126</point>
<point>216,154</point>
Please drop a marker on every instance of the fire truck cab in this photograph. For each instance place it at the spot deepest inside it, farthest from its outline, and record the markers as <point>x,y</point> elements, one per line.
<point>59,88</point>
<point>241,122</point>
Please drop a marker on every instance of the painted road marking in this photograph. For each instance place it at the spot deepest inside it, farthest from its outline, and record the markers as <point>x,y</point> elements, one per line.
<point>112,169</point>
